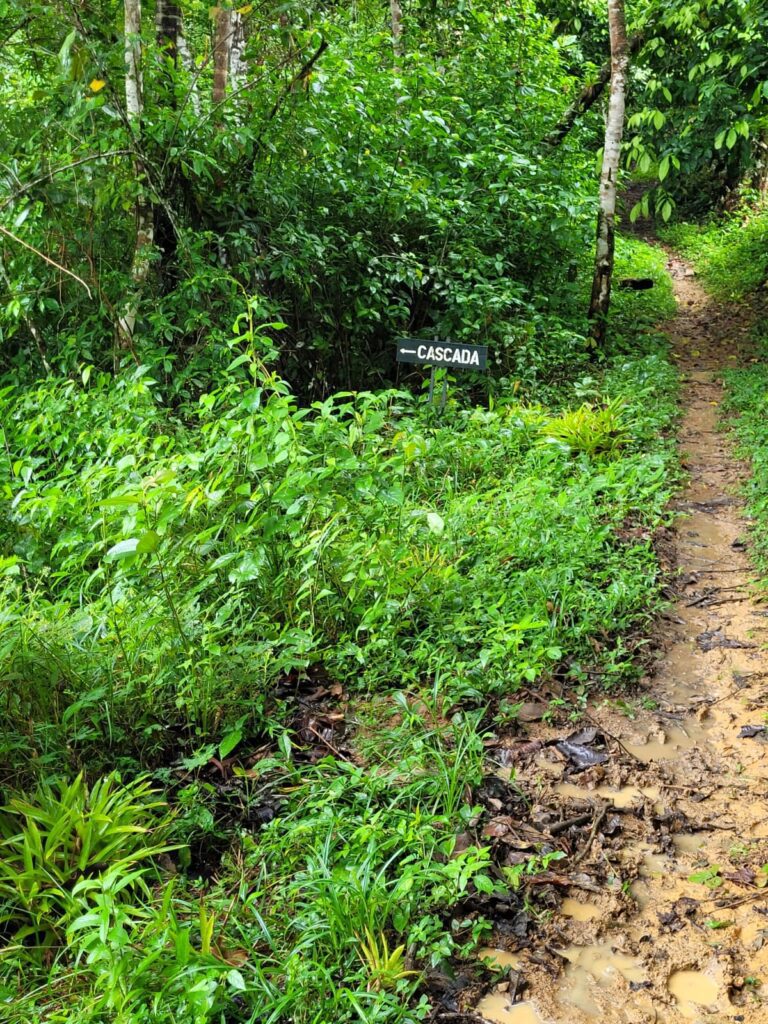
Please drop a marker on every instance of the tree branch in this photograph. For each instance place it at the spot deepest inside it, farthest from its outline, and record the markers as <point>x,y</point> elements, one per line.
<point>301,75</point>
<point>587,98</point>
<point>48,176</point>
<point>53,263</point>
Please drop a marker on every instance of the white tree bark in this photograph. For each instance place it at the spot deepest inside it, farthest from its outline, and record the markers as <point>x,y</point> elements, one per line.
<point>188,63</point>
<point>133,77</point>
<point>169,26</point>
<point>238,69</point>
<point>614,130</point>
<point>145,228</point>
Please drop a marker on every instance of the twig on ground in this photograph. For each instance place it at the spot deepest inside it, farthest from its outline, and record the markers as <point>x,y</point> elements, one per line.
<point>328,744</point>
<point>591,837</point>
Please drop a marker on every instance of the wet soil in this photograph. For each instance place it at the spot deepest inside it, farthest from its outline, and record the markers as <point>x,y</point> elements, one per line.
<point>661,909</point>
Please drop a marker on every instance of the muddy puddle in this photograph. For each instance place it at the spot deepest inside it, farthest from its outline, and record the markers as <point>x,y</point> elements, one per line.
<point>579,910</point>
<point>621,797</point>
<point>693,992</point>
<point>658,913</point>
<point>498,1009</point>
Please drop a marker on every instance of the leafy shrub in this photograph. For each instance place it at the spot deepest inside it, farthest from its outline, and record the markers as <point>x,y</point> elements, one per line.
<point>747,395</point>
<point>415,200</point>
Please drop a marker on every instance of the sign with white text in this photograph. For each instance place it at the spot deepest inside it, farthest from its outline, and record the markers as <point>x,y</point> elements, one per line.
<point>455,355</point>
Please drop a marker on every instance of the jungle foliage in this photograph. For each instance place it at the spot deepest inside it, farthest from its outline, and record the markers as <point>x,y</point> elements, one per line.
<point>349,198</point>
<point>261,602</point>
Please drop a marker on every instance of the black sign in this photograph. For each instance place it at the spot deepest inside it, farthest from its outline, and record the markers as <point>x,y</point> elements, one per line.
<point>442,353</point>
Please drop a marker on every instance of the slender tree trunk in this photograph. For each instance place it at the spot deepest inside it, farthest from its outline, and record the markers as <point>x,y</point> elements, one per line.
<point>614,129</point>
<point>169,33</point>
<point>396,17</point>
<point>174,48</point>
<point>222,45</point>
<point>133,77</point>
<point>168,28</point>
<point>188,63</point>
<point>145,227</point>
<point>237,66</point>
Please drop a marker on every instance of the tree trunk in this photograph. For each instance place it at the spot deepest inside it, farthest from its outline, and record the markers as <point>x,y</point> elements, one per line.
<point>145,227</point>
<point>168,28</point>
<point>396,16</point>
<point>222,45</point>
<point>614,129</point>
<point>133,78</point>
<point>188,63</point>
<point>174,48</point>
<point>169,25</point>
<point>237,66</point>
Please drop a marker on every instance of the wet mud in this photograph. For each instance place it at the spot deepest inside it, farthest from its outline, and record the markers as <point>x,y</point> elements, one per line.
<point>661,912</point>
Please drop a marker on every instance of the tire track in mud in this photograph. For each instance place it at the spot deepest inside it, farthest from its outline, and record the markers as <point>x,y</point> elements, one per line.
<point>685,794</point>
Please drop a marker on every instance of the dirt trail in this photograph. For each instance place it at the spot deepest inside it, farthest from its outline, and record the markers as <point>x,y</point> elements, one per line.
<point>683,791</point>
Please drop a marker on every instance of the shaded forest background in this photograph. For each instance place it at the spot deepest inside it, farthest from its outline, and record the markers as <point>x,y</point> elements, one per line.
<point>291,162</point>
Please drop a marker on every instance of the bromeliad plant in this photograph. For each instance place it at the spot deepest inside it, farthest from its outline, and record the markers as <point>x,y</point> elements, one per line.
<point>66,834</point>
<point>385,967</point>
<point>597,432</point>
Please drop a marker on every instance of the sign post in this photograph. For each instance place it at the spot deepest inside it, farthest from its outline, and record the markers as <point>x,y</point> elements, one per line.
<point>449,354</point>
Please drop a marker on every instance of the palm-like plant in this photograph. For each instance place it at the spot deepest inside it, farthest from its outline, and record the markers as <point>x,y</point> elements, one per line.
<point>67,832</point>
<point>385,967</point>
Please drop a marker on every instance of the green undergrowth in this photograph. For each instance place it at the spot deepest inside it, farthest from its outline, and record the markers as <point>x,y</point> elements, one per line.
<point>165,572</point>
<point>171,576</point>
<point>747,397</point>
<point>332,912</point>
<point>729,252</point>
<point>636,314</point>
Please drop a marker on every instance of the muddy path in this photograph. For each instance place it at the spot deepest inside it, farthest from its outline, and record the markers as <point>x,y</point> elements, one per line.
<point>683,791</point>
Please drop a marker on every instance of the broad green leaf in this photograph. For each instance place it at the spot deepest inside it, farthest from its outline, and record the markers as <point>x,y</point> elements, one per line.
<point>200,758</point>
<point>123,549</point>
<point>229,742</point>
<point>236,981</point>
<point>232,738</point>
<point>123,500</point>
<point>66,48</point>
<point>148,542</point>
<point>248,568</point>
